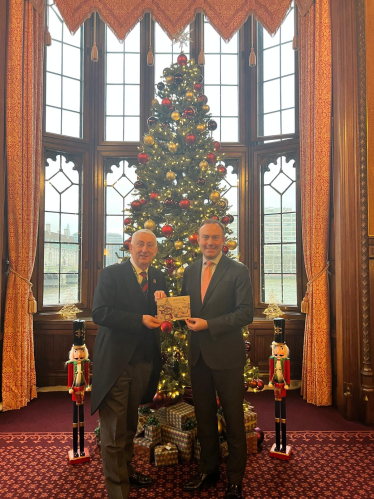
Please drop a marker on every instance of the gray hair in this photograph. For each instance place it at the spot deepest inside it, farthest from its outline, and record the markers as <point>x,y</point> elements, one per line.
<point>145,231</point>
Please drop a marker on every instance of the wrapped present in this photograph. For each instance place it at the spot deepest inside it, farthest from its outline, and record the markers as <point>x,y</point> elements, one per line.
<point>144,448</point>
<point>153,433</point>
<point>250,421</point>
<point>182,439</point>
<point>166,455</point>
<point>223,448</point>
<point>139,430</point>
<point>177,414</point>
<point>196,449</point>
<point>251,439</point>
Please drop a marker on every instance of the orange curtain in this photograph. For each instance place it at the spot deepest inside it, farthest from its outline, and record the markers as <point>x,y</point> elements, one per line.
<point>315,123</point>
<point>227,16</point>
<point>23,149</point>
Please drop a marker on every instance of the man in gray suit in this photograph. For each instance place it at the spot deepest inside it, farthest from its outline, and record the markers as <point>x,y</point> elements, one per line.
<point>127,357</point>
<point>221,304</point>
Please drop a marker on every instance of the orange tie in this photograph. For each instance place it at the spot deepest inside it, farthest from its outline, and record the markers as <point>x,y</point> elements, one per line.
<point>206,279</point>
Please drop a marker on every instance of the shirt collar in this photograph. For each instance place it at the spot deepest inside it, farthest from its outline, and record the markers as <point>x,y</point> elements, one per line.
<point>215,261</point>
<point>137,269</point>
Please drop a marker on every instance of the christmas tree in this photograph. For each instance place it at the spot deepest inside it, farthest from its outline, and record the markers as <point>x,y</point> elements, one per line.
<point>178,186</point>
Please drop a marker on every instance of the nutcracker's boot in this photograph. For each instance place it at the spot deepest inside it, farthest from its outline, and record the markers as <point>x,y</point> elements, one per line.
<point>75,430</point>
<point>81,430</point>
<point>284,442</point>
<point>277,425</point>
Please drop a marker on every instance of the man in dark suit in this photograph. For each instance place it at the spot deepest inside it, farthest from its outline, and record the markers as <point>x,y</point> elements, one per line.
<point>221,303</point>
<point>127,357</point>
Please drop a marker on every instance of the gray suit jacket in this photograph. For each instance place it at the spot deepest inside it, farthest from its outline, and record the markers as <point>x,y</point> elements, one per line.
<point>118,308</point>
<point>227,307</point>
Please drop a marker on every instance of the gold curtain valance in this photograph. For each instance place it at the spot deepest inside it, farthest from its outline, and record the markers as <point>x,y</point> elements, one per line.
<point>227,16</point>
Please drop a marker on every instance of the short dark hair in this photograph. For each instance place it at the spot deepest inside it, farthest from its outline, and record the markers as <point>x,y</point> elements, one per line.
<point>211,221</point>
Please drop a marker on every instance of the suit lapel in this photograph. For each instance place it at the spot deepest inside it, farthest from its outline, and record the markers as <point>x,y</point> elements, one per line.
<point>132,286</point>
<point>221,269</point>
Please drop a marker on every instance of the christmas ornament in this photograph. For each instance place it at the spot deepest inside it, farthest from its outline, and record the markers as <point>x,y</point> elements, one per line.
<point>197,87</point>
<point>154,195</point>
<point>160,85</point>
<point>225,220</point>
<point>148,140</point>
<point>231,219</point>
<point>175,116</point>
<point>203,164</point>
<point>152,121</point>
<point>180,272</point>
<point>185,204</point>
<point>178,245</point>
<point>135,205</point>
<point>138,184</point>
<point>169,262</point>
<point>143,201</point>
<point>246,386</point>
<point>189,95</point>
<point>178,78</point>
<point>193,239</point>
<point>253,383</point>
<point>200,127</point>
<point>166,102</point>
<point>159,397</point>
<point>150,225</point>
<point>188,112</point>
<point>169,80</point>
<point>169,203</point>
<point>222,169</point>
<point>225,249</point>
<point>191,139</point>
<point>167,230</point>
<point>211,157</point>
<point>214,196</point>
<point>154,102</point>
<point>166,327</point>
<point>172,147</point>
<point>182,59</point>
<point>214,217</point>
<point>206,108</point>
<point>126,244</point>
<point>170,176</point>
<point>218,403</point>
<point>222,203</point>
<point>171,271</point>
<point>177,355</point>
<point>260,384</point>
<point>127,221</point>
<point>260,436</point>
<point>248,346</point>
<point>220,427</point>
<point>212,125</point>
<point>231,244</point>
<point>143,158</point>
<point>201,181</point>
<point>217,145</point>
<point>203,98</point>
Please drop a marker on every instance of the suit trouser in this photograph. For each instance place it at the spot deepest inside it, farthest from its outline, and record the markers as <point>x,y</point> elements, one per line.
<point>118,422</point>
<point>229,384</point>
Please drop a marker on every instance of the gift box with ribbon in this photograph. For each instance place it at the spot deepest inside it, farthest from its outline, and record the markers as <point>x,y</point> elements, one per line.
<point>153,433</point>
<point>176,415</point>
<point>251,439</point>
<point>144,448</point>
<point>165,455</point>
<point>250,421</point>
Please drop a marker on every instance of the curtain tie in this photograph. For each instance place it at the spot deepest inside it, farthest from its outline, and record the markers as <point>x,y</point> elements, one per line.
<point>32,307</point>
<point>305,302</point>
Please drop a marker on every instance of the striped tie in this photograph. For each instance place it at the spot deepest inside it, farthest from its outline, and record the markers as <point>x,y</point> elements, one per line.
<point>144,283</point>
<point>206,279</point>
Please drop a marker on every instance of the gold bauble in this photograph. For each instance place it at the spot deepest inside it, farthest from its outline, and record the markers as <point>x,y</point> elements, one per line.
<point>172,147</point>
<point>231,244</point>
<point>170,176</point>
<point>205,108</point>
<point>150,225</point>
<point>214,196</point>
<point>154,102</point>
<point>203,164</point>
<point>189,95</point>
<point>200,127</point>
<point>220,427</point>
<point>148,140</point>
<point>178,245</point>
<point>223,203</point>
<point>179,335</point>
<point>179,272</point>
<point>169,79</point>
<point>175,116</point>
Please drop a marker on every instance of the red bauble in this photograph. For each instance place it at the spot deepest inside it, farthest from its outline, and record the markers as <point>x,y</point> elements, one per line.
<point>201,181</point>
<point>127,221</point>
<point>225,249</point>
<point>154,195</point>
<point>214,217</point>
<point>231,219</point>
<point>203,99</point>
<point>191,139</point>
<point>193,239</point>
<point>260,384</point>
<point>225,220</point>
<point>197,87</point>
<point>182,59</point>
<point>166,327</point>
<point>248,346</point>
<point>159,397</point>
<point>166,102</point>
<point>136,205</point>
<point>185,204</point>
<point>211,158</point>
<point>260,435</point>
<point>217,146</point>
<point>126,244</point>
<point>222,169</point>
<point>253,383</point>
<point>167,230</point>
<point>143,201</point>
<point>189,111</point>
<point>218,402</point>
<point>169,262</point>
<point>143,158</point>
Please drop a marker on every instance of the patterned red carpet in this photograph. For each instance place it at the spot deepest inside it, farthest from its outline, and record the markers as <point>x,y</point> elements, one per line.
<point>337,464</point>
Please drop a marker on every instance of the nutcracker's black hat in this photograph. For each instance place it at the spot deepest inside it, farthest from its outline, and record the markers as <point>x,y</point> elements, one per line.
<point>79,333</point>
<point>279,330</point>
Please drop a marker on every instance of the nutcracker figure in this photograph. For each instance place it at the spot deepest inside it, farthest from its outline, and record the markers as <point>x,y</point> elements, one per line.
<point>280,379</point>
<point>78,383</point>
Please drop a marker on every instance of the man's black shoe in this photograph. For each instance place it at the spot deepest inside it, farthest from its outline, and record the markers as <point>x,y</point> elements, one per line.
<point>140,480</point>
<point>234,492</point>
<point>201,480</point>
